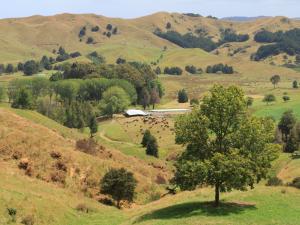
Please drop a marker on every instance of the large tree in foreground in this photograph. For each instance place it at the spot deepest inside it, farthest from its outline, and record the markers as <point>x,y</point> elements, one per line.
<point>225,148</point>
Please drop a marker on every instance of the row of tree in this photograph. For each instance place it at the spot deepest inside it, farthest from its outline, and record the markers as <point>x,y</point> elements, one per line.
<point>220,68</point>
<point>285,42</point>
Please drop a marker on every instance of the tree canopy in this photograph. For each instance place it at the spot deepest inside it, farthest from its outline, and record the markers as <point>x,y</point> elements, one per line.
<point>225,147</point>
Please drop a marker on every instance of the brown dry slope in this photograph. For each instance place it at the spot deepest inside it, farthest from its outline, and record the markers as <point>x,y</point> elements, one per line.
<point>42,154</point>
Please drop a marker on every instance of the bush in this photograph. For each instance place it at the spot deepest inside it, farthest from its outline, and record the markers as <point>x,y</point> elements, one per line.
<point>31,67</point>
<point>75,54</point>
<point>12,212</point>
<point>274,181</point>
<point>83,208</point>
<point>106,201</point>
<point>146,138</point>
<point>58,177</point>
<point>182,96</point>
<point>296,155</point>
<point>115,31</point>
<point>109,27</point>
<point>173,71</point>
<point>194,102</point>
<point>296,183</point>
<point>28,220</point>
<point>152,147</point>
<point>95,29</point>
<point>90,40</point>
<point>88,146</point>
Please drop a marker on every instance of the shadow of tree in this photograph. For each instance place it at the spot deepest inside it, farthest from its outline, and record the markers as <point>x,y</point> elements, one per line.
<point>190,209</point>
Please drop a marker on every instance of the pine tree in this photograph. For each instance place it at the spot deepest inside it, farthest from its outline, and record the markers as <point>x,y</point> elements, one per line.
<point>93,126</point>
<point>152,147</point>
<point>146,138</point>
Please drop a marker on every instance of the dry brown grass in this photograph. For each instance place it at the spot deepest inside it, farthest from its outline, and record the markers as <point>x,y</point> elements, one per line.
<point>76,170</point>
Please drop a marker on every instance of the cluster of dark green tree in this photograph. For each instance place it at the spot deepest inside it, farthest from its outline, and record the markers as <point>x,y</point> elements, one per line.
<point>289,128</point>
<point>9,68</point>
<point>193,69</point>
<point>149,90</point>
<point>282,42</point>
<point>173,70</point>
<point>225,147</point>
<point>71,102</point>
<point>229,35</point>
<point>150,143</point>
<point>220,68</point>
<point>187,40</point>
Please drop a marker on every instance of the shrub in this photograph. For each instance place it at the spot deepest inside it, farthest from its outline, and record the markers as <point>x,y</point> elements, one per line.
<point>152,147</point>
<point>173,71</point>
<point>75,54</point>
<point>90,40</point>
<point>146,138</point>
<point>60,165</point>
<point>95,29</point>
<point>296,155</point>
<point>169,25</point>
<point>194,101</point>
<point>83,208</point>
<point>182,96</point>
<point>31,67</point>
<point>88,146</point>
<point>23,99</point>
<point>106,201</point>
<point>286,98</point>
<point>115,31</point>
<point>58,177</point>
<point>28,220</point>
<point>295,84</point>
<point>269,98</point>
<point>109,27</point>
<point>12,212</point>
<point>55,155</point>
<point>274,181</point>
<point>108,34</point>
<point>296,183</point>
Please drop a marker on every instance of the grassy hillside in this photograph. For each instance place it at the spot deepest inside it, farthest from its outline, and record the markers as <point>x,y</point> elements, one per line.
<point>32,37</point>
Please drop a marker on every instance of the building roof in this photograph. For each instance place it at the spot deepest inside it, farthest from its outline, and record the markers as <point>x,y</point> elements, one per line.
<point>135,112</point>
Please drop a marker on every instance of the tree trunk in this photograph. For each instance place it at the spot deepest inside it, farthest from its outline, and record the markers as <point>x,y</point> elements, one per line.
<point>118,204</point>
<point>217,195</point>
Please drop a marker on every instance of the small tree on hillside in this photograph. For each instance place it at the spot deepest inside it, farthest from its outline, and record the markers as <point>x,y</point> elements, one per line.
<point>152,147</point>
<point>119,184</point>
<point>182,96</point>
<point>145,98</point>
<point>249,101</point>
<point>275,80</point>
<point>23,99</point>
<point>286,98</point>
<point>286,124</point>
<point>225,147</point>
<point>154,97</point>
<point>146,137</point>
<point>269,98</point>
<point>295,84</point>
<point>93,125</point>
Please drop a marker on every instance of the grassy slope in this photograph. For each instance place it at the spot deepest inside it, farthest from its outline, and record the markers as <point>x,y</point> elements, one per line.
<point>262,205</point>
<point>49,204</point>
